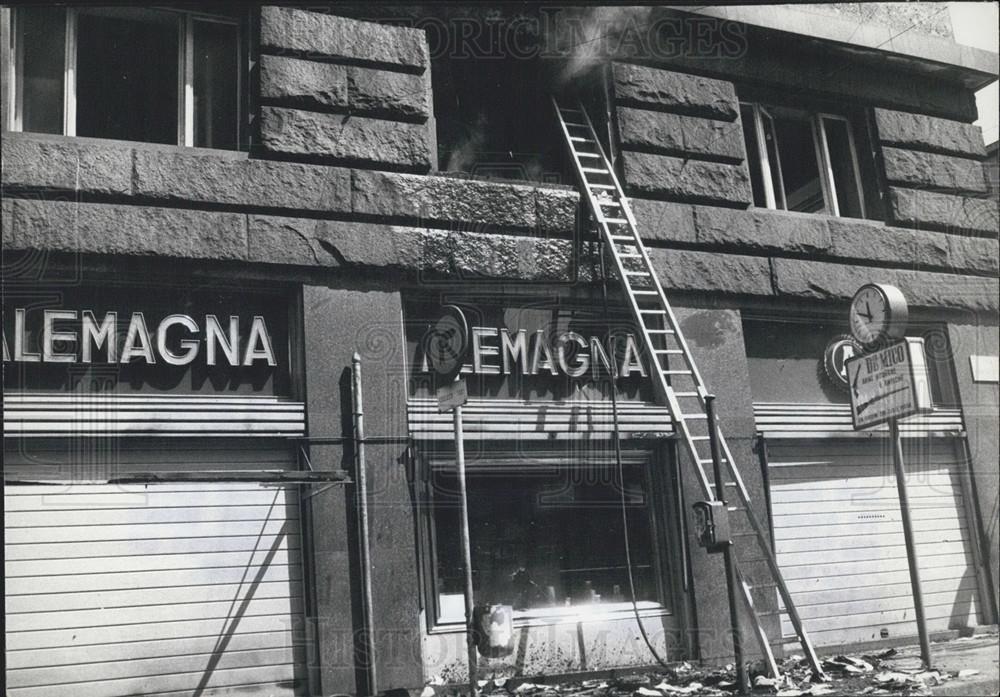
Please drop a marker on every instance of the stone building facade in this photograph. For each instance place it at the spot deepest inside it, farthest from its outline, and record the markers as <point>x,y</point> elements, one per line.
<point>332,215</point>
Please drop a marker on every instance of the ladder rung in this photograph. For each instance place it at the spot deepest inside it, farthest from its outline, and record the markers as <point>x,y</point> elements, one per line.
<point>609,203</point>
<point>592,170</point>
<point>622,237</point>
<point>578,139</point>
<point>699,438</point>
<point>692,416</point>
<point>600,186</point>
<point>574,123</point>
<point>670,351</point>
<point>665,331</point>
<point>587,154</point>
<point>644,292</point>
<point>568,110</point>
<point>630,256</point>
<point>616,221</point>
<point>686,394</point>
<point>637,273</point>
<point>708,461</point>
<point>655,312</point>
<point>676,372</point>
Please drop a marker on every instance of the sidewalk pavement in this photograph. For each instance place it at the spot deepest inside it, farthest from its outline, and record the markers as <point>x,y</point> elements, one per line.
<point>958,657</point>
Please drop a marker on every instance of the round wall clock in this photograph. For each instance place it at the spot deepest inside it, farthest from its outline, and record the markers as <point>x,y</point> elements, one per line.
<point>878,313</point>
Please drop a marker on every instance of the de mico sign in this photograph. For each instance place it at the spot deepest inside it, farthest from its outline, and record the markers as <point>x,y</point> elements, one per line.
<point>891,383</point>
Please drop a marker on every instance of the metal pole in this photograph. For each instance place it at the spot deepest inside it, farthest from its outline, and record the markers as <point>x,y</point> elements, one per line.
<point>727,552</point>
<point>911,544</point>
<point>362,503</point>
<point>470,638</point>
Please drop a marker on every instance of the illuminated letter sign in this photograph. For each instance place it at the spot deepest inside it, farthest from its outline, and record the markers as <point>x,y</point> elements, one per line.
<point>70,336</point>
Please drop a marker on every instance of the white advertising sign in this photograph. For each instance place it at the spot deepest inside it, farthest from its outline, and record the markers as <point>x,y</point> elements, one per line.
<point>890,383</point>
<point>451,395</point>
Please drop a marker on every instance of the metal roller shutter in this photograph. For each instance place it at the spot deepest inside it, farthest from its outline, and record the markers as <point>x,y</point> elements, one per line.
<point>167,589</point>
<point>839,539</point>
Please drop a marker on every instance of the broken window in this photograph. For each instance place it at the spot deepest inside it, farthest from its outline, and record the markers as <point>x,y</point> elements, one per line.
<point>494,119</point>
<point>802,160</point>
<point>157,76</point>
<point>546,539</point>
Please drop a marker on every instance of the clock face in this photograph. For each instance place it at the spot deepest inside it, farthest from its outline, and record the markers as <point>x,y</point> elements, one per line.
<point>869,315</point>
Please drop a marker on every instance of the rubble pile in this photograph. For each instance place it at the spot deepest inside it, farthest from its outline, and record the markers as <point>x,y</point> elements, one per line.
<point>846,675</point>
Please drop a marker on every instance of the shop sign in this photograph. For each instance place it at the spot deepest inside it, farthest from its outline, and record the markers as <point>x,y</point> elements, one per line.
<point>503,351</point>
<point>130,340</point>
<point>535,348</point>
<point>891,383</point>
<point>78,336</point>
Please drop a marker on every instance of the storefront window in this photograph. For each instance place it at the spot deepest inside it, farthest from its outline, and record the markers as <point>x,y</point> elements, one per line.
<point>547,539</point>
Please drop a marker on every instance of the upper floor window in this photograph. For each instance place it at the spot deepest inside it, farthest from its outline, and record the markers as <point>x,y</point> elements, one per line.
<point>802,160</point>
<point>158,76</point>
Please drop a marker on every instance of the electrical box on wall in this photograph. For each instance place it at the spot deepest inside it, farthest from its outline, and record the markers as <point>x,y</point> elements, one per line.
<point>712,525</point>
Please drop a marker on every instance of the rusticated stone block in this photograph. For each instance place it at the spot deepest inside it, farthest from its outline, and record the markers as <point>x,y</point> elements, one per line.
<point>872,241</point>
<point>285,29</point>
<point>814,279</point>
<point>233,179</point>
<point>821,280</point>
<point>637,85</point>
<point>99,228</point>
<point>308,242</point>
<point>392,94</point>
<point>300,82</point>
<point>681,269</point>
<point>311,84</point>
<point>974,253</point>
<point>662,221</point>
<point>7,224</point>
<point>927,209</point>
<point>929,133</point>
<point>687,180</point>
<point>83,165</point>
<point>345,138</point>
<point>555,210</point>
<point>676,134</point>
<point>762,230</point>
<point>933,171</point>
<point>465,204</point>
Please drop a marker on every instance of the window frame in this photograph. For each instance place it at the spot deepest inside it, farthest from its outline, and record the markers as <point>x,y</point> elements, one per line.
<point>185,73</point>
<point>668,554</point>
<point>821,146</point>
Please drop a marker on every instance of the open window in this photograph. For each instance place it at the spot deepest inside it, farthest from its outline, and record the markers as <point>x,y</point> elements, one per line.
<point>803,160</point>
<point>157,76</point>
<point>494,115</point>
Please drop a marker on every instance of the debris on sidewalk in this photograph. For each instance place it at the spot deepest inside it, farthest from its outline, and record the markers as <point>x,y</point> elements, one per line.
<point>866,674</point>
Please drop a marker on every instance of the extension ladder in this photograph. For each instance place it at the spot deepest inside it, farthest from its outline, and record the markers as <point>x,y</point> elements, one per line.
<point>674,372</point>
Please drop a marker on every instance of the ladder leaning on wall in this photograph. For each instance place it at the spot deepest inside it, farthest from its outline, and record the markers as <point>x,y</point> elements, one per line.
<point>674,372</point>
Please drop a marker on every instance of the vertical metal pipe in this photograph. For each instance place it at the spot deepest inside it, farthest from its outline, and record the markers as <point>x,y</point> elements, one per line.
<point>361,477</point>
<point>727,553</point>
<point>911,543</point>
<point>470,638</point>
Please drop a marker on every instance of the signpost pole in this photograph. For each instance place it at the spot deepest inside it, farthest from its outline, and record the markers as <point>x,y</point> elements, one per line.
<point>362,501</point>
<point>470,637</point>
<point>911,545</point>
<point>742,679</point>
